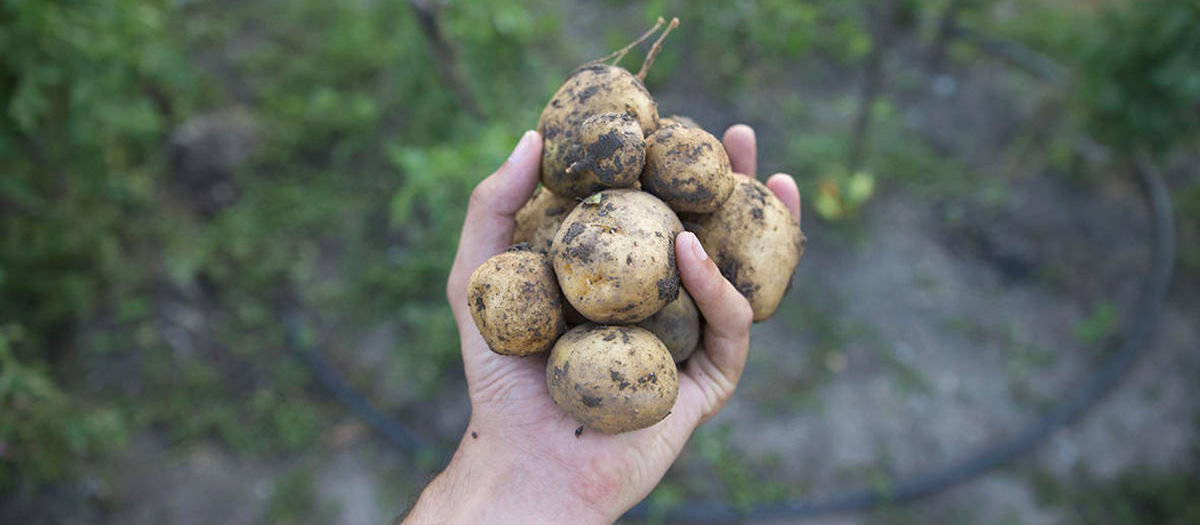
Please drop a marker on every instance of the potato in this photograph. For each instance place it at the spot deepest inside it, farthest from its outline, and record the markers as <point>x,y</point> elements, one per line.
<point>590,90</point>
<point>612,378</point>
<point>687,168</point>
<point>516,303</point>
<point>680,120</point>
<point>614,152</point>
<point>614,256</point>
<point>677,325</point>
<point>538,220</point>
<point>755,242</point>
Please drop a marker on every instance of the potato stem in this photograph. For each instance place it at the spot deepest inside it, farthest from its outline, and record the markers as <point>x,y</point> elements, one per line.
<point>617,55</point>
<point>656,48</point>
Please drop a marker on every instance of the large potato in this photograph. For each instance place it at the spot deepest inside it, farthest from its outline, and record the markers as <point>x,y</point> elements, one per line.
<point>755,242</point>
<point>677,325</point>
<point>687,168</point>
<point>589,91</point>
<point>612,378</point>
<point>615,256</point>
<point>538,220</point>
<point>515,302</point>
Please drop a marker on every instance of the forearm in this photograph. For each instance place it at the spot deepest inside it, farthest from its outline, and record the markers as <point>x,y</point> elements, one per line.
<point>485,485</point>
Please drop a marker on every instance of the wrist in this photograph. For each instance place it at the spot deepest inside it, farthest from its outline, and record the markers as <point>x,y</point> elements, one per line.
<point>486,482</point>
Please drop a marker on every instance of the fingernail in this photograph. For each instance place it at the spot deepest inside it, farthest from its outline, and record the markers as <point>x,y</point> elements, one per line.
<point>697,248</point>
<point>524,147</point>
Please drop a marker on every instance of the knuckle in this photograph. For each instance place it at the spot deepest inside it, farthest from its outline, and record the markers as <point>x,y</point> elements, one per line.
<point>740,314</point>
<point>481,196</point>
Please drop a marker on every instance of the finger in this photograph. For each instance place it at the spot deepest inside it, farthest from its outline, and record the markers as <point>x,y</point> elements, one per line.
<point>488,227</point>
<point>728,315</point>
<point>741,145</point>
<point>784,187</point>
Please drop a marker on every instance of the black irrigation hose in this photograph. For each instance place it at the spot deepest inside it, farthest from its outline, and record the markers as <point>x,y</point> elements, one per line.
<point>387,427</point>
<point>1149,308</point>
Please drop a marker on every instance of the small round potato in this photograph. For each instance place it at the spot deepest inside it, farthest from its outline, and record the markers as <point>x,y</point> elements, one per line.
<point>516,303</point>
<point>677,325</point>
<point>615,256</point>
<point>612,378</point>
<point>590,90</point>
<point>687,168</point>
<point>755,242</point>
<point>614,152</point>
<point>538,220</point>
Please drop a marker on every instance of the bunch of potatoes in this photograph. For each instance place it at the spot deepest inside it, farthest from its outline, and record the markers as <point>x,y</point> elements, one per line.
<point>592,278</point>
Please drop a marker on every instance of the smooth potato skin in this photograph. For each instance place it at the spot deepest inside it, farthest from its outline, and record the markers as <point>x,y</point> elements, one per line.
<point>614,256</point>
<point>516,303</point>
<point>590,90</point>
<point>612,378</point>
<point>755,242</point>
<point>677,325</point>
<point>538,220</point>
<point>687,168</point>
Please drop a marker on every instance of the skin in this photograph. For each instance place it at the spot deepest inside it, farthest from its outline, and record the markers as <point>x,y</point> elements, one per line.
<point>519,460</point>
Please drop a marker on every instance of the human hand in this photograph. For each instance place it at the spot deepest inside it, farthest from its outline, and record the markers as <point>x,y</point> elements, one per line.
<point>521,459</point>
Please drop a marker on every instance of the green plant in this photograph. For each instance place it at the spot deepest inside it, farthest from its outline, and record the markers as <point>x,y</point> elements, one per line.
<point>1139,76</point>
<point>43,431</point>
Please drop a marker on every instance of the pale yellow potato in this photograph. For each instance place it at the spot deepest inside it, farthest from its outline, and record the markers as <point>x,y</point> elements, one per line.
<point>516,303</point>
<point>677,325</point>
<point>612,379</point>
<point>687,168</point>
<point>755,242</point>
<point>590,90</point>
<point>614,256</point>
<point>538,220</point>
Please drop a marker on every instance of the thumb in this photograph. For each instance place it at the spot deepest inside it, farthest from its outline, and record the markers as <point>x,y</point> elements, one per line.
<point>488,227</point>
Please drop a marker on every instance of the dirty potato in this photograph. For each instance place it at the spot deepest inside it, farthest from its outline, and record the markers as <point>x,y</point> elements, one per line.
<point>612,378</point>
<point>755,242</point>
<point>687,168</point>
<point>677,325</point>
<point>538,220</point>
<point>516,303</point>
<point>590,90</point>
<point>614,256</point>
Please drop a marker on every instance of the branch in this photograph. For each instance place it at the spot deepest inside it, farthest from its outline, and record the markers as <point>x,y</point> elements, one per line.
<point>445,60</point>
<point>881,24</point>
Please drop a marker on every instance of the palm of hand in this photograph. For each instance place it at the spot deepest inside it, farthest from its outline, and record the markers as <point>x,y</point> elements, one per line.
<point>511,406</point>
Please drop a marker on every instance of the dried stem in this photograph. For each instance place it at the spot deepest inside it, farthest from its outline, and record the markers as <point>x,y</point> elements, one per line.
<point>617,55</point>
<point>656,48</point>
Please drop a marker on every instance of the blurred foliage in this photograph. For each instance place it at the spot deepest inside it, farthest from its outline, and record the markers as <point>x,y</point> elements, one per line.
<point>1139,72</point>
<point>84,87</point>
<point>92,240</point>
<point>43,430</point>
